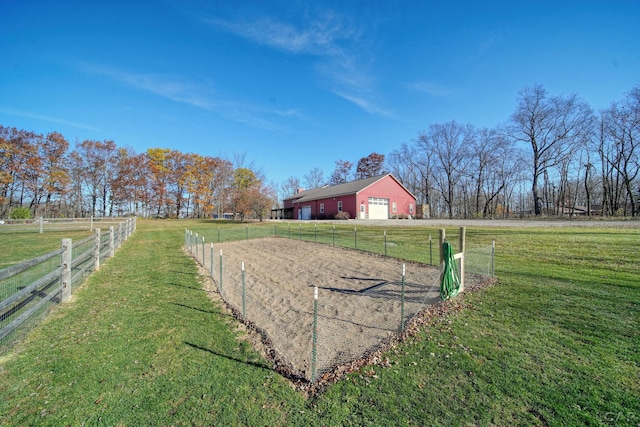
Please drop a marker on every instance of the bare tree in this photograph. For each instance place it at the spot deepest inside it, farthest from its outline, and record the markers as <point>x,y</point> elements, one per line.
<point>402,165</point>
<point>551,126</point>
<point>289,187</point>
<point>449,144</point>
<point>621,145</point>
<point>314,179</point>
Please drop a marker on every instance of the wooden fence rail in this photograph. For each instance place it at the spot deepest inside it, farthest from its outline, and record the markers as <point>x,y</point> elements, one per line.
<point>42,225</point>
<point>29,288</point>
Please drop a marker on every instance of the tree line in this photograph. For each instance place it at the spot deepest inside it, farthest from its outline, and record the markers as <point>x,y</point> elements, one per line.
<point>554,156</point>
<point>97,178</point>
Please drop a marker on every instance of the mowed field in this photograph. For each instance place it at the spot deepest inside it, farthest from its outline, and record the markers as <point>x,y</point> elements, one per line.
<point>555,342</point>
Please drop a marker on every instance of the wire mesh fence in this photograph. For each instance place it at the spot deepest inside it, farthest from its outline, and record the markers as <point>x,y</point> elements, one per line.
<point>363,296</point>
<point>29,289</point>
<point>45,225</point>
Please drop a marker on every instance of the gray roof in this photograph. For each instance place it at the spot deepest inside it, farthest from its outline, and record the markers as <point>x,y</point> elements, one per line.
<point>347,188</point>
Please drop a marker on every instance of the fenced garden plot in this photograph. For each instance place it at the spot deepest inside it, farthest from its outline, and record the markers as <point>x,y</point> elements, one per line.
<point>412,244</point>
<point>30,288</point>
<point>364,299</point>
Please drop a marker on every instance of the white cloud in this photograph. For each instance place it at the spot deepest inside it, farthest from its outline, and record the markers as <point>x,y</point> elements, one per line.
<point>171,87</point>
<point>365,104</point>
<point>343,62</point>
<point>198,94</point>
<point>47,119</point>
<point>321,37</point>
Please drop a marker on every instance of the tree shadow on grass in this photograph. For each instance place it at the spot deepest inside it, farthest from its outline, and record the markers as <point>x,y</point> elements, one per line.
<point>195,288</point>
<point>194,308</point>
<point>233,359</point>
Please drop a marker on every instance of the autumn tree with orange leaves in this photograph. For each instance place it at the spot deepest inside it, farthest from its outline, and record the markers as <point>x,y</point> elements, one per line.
<point>98,178</point>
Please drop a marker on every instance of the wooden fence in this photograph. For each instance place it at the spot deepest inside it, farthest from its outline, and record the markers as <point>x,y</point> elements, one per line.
<point>42,225</point>
<point>29,289</point>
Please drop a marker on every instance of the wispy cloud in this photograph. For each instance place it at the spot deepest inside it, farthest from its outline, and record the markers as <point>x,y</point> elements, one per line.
<point>432,88</point>
<point>364,103</point>
<point>199,94</point>
<point>329,37</point>
<point>44,118</point>
<point>175,88</point>
<point>321,37</point>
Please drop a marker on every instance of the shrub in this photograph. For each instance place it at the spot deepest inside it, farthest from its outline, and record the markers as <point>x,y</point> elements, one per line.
<point>20,213</point>
<point>342,215</point>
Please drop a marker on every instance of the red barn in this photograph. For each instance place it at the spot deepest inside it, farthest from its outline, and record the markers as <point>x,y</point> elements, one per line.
<point>379,197</point>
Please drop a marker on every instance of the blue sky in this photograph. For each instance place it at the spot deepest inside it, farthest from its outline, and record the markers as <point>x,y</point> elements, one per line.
<point>295,85</point>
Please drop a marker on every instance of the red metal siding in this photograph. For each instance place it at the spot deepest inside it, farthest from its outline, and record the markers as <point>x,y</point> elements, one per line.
<point>385,188</point>
<point>389,188</point>
<point>330,207</point>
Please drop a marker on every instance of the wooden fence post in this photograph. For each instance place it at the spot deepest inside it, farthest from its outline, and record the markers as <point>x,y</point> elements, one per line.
<point>65,275</point>
<point>96,250</point>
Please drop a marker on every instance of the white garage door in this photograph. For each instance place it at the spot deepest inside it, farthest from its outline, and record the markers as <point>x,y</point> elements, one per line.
<point>378,208</point>
<point>306,212</point>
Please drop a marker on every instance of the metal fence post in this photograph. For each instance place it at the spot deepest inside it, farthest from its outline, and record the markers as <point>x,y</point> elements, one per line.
<point>385,242</point>
<point>402,301</point>
<point>244,312</point>
<point>65,276</point>
<point>220,283</point>
<point>315,335</point>
<point>112,246</point>
<point>463,240</point>
<point>443,236</point>
<point>355,238</point>
<point>211,259</point>
<point>430,250</point>
<point>96,250</point>
<point>493,253</point>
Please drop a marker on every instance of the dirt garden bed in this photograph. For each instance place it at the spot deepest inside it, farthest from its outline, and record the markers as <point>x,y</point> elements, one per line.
<point>360,307</point>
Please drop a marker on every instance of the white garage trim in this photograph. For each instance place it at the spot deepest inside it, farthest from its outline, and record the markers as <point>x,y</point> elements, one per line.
<point>306,212</point>
<point>378,208</point>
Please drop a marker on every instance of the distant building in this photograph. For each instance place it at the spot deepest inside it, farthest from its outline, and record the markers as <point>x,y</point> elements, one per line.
<point>380,197</point>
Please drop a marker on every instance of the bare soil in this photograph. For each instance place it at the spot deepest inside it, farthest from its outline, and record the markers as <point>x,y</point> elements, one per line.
<point>360,304</point>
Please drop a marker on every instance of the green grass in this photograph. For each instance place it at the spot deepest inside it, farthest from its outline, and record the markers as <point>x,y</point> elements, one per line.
<point>555,342</point>
<point>18,247</point>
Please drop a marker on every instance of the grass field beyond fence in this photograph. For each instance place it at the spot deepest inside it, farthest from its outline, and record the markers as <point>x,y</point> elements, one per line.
<point>555,342</point>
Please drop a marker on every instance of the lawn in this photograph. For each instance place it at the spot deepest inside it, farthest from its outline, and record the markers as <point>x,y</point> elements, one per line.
<point>555,342</point>
<point>17,247</point>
